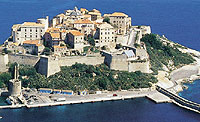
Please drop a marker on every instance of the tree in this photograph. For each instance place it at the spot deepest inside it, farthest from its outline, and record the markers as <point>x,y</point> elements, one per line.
<point>106,19</point>
<point>91,41</point>
<point>47,51</point>
<point>4,79</point>
<point>118,46</point>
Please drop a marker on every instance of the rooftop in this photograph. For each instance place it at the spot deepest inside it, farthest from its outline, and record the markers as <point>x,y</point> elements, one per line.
<point>55,35</point>
<point>32,24</point>
<point>50,30</point>
<point>59,47</point>
<point>32,42</point>
<point>83,21</point>
<point>117,14</point>
<point>76,33</point>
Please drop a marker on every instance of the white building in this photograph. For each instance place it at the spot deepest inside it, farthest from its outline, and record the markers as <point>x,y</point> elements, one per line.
<point>84,26</point>
<point>75,39</point>
<point>121,21</point>
<point>105,35</point>
<point>29,30</point>
<point>33,46</point>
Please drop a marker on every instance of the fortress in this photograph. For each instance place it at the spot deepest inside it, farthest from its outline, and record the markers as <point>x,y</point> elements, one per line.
<point>47,66</point>
<point>48,45</point>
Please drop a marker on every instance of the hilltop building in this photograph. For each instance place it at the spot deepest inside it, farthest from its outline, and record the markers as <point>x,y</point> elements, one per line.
<point>29,30</point>
<point>105,35</point>
<point>75,39</point>
<point>33,46</point>
<point>84,26</point>
<point>121,21</point>
<point>54,37</point>
<point>95,14</point>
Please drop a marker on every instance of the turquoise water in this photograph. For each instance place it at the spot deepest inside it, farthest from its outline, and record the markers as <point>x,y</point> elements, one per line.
<point>193,91</point>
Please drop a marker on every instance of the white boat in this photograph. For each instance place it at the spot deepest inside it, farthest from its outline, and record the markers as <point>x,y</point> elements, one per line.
<point>1,117</point>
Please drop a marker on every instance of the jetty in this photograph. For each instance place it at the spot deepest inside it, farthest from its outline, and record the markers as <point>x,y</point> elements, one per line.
<point>182,102</point>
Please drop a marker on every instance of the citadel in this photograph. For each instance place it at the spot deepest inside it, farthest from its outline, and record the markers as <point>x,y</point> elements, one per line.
<point>77,36</point>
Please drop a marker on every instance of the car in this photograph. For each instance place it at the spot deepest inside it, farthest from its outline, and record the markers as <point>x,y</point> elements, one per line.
<point>114,95</point>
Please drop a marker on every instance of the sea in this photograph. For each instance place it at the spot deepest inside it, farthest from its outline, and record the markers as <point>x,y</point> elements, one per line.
<point>178,20</point>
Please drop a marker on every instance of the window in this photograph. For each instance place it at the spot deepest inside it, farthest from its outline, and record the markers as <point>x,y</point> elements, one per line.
<point>36,30</point>
<point>41,30</point>
<point>105,33</point>
<point>30,30</point>
<point>25,30</point>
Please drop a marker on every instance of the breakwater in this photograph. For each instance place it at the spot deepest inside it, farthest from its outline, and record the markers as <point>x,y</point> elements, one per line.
<point>179,100</point>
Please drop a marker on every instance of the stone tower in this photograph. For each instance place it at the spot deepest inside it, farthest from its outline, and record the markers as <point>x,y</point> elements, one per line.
<point>15,84</point>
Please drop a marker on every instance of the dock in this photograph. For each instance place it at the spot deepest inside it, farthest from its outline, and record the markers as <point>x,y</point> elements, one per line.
<point>159,98</point>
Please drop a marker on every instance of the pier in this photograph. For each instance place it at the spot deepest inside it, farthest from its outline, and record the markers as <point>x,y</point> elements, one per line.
<point>184,103</point>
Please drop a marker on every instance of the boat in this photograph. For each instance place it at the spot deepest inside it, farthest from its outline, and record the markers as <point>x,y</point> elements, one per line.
<point>8,100</point>
<point>1,117</point>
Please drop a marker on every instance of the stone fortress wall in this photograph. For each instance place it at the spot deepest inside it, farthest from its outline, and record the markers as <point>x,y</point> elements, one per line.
<point>23,59</point>
<point>3,62</point>
<point>49,65</point>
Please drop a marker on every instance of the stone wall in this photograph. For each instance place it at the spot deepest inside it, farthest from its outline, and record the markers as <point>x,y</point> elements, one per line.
<point>49,66</point>
<point>23,59</point>
<point>139,66</point>
<point>3,62</point>
<point>121,63</point>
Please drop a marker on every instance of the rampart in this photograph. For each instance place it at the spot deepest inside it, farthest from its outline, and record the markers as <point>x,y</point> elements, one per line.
<point>49,65</point>
<point>23,59</point>
<point>3,62</point>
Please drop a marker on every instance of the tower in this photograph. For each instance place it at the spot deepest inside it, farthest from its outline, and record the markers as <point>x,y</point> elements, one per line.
<point>15,84</point>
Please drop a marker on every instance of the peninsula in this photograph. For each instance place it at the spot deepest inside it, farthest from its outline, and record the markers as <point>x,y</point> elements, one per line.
<point>81,56</point>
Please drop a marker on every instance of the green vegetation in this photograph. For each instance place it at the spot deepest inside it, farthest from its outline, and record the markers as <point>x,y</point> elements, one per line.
<point>163,53</point>
<point>91,41</point>
<point>4,79</point>
<point>81,76</point>
<point>47,51</point>
<point>106,19</point>
<point>6,51</point>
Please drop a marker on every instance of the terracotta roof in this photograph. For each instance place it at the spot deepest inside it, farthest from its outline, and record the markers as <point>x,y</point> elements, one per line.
<point>16,26</point>
<point>32,24</point>
<point>53,30</point>
<point>63,31</point>
<point>55,35</point>
<point>87,15</point>
<point>76,33</point>
<point>83,21</point>
<point>32,42</point>
<point>59,47</point>
<point>118,14</point>
<point>83,9</point>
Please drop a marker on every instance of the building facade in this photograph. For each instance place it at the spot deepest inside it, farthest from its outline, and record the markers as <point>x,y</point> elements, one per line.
<point>75,39</point>
<point>121,21</point>
<point>84,26</point>
<point>105,35</point>
<point>29,30</point>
